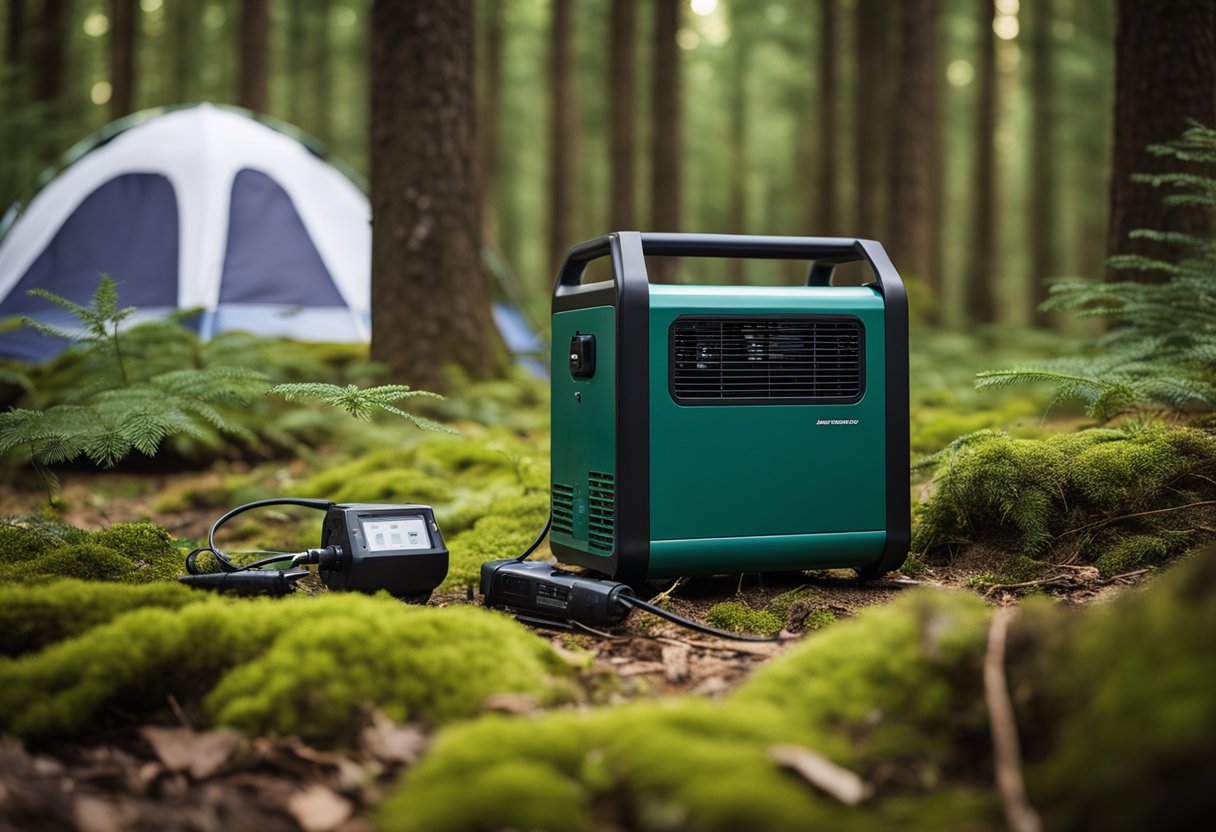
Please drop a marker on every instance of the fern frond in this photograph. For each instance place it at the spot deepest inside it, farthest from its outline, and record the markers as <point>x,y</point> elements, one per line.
<point>360,403</point>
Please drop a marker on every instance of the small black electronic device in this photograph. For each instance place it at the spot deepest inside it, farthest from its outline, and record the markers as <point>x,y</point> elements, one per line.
<point>365,547</point>
<point>539,590</point>
<point>397,548</point>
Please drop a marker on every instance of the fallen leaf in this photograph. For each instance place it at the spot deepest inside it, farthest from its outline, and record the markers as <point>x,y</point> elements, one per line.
<point>92,814</point>
<point>641,668</point>
<point>319,808</point>
<point>675,661</point>
<point>200,753</point>
<point>822,773</point>
<point>389,742</point>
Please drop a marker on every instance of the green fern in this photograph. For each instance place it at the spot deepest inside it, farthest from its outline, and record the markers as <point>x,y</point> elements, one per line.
<point>1162,352</point>
<point>358,402</point>
<point>121,411</point>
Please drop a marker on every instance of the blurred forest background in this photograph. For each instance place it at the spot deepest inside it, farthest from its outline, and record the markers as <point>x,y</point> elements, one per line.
<point>973,137</point>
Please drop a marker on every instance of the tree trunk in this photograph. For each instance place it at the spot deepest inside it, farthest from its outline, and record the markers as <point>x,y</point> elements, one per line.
<point>124,14</point>
<point>1044,246</point>
<point>254,34</point>
<point>980,280</point>
<point>736,210</point>
<point>563,124</point>
<point>491,138</point>
<point>1165,74</point>
<point>622,96</point>
<point>14,34</point>
<point>911,165</point>
<point>297,36</point>
<point>49,57</point>
<point>183,25</point>
<point>323,67</point>
<point>872,80</point>
<point>826,222</point>
<point>666,140</point>
<point>430,304</point>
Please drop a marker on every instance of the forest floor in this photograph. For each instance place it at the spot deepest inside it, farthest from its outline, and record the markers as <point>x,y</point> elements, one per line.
<point>169,773</point>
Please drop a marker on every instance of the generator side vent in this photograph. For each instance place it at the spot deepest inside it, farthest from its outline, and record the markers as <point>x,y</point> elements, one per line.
<point>767,359</point>
<point>601,510</point>
<point>563,508</point>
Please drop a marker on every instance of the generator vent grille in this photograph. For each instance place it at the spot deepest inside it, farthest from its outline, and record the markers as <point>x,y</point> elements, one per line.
<point>601,510</point>
<point>766,359</point>
<point>563,508</point>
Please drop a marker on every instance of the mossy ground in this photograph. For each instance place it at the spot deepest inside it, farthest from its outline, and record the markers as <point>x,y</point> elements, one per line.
<point>298,665</point>
<point>895,696</point>
<point>33,548</point>
<point>1122,499</point>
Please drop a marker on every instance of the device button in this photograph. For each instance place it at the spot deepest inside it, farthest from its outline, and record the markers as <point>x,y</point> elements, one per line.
<point>582,355</point>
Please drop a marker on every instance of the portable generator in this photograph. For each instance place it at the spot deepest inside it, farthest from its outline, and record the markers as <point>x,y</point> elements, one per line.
<point>722,429</point>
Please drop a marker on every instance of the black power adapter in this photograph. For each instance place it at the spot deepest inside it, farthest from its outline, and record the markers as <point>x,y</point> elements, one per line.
<point>365,547</point>
<point>540,591</point>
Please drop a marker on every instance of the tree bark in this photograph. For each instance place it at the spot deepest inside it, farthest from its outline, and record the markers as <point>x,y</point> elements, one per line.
<point>1165,75</point>
<point>183,26</point>
<point>563,124</point>
<point>911,165</point>
<point>736,213</point>
<point>253,55</point>
<point>980,279</point>
<point>872,82</point>
<point>49,57</point>
<point>826,193</point>
<point>666,140</point>
<point>323,69</point>
<point>430,303</point>
<point>1044,244</point>
<point>14,34</point>
<point>124,14</point>
<point>297,36</point>
<point>491,119</point>
<point>622,96</point>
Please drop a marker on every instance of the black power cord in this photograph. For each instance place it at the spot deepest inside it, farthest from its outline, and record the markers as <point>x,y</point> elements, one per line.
<point>638,603</point>
<point>226,564</point>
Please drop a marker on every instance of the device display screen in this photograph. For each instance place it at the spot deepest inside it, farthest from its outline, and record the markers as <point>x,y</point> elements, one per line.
<point>396,534</point>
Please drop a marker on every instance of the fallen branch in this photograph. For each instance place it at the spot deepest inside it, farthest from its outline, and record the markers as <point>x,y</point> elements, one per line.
<point>1019,814</point>
<point>1138,514</point>
<point>1066,581</point>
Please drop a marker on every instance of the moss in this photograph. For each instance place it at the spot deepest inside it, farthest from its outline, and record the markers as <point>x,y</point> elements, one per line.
<point>1132,553</point>
<point>786,601</point>
<point>510,525</point>
<point>297,665</point>
<point>818,619</point>
<point>1133,746</point>
<point>128,552</point>
<point>862,693</point>
<point>740,619</point>
<point>1114,706</point>
<point>33,616</point>
<point>24,538</point>
<point>1022,494</point>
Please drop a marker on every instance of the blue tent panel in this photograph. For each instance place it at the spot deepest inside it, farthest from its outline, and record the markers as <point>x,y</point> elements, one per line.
<point>127,228</point>
<point>270,257</point>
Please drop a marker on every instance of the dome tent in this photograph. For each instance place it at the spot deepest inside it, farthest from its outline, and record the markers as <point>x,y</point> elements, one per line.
<point>206,207</point>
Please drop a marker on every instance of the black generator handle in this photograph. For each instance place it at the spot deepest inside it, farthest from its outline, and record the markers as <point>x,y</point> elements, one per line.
<point>628,250</point>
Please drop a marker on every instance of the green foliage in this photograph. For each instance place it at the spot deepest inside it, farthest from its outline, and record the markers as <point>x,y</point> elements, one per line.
<point>301,665</point>
<point>117,414</point>
<point>33,616</point>
<point>733,616</point>
<point>127,552</point>
<point>1107,701</point>
<point>358,402</point>
<point>1029,495</point>
<point>1161,349</point>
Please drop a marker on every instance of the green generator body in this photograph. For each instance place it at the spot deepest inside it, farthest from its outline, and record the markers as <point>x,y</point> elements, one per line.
<point>725,429</point>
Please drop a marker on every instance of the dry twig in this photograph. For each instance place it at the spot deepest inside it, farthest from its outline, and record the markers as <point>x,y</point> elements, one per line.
<point>1019,814</point>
